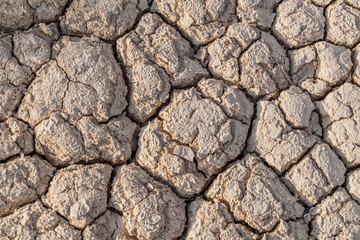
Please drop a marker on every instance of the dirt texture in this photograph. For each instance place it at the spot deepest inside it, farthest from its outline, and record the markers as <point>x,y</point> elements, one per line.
<point>180,119</point>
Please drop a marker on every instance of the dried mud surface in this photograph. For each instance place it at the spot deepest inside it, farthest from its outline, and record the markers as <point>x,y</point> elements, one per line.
<point>180,119</point>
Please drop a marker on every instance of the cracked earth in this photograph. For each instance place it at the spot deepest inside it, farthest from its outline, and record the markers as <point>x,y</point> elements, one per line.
<point>180,119</point>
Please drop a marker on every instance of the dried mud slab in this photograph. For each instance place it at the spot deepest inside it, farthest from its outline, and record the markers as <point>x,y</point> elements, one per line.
<point>44,95</point>
<point>230,98</point>
<point>291,230</point>
<point>296,106</point>
<point>60,142</point>
<point>336,217</point>
<point>222,55</point>
<point>114,141</point>
<point>193,138</point>
<point>149,89</point>
<point>356,59</point>
<point>33,47</point>
<point>207,220</point>
<point>156,153</point>
<point>316,68</point>
<point>255,194</point>
<point>20,14</point>
<point>83,79</point>
<point>252,59</point>
<point>275,136</point>
<point>316,175</point>
<point>80,95</point>
<point>104,19</point>
<point>63,143</point>
<point>353,184</point>
<point>108,226</point>
<point>16,138</point>
<point>79,193</point>
<point>155,56</point>
<point>343,23</point>
<point>34,221</point>
<point>260,12</point>
<point>14,78</point>
<point>151,210</point>
<point>264,68</point>
<point>20,55</point>
<point>200,21</point>
<point>299,23</point>
<point>96,86</point>
<point>22,180</point>
<point>340,115</point>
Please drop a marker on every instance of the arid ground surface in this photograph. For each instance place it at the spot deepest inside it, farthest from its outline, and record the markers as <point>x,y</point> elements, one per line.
<point>180,119</point>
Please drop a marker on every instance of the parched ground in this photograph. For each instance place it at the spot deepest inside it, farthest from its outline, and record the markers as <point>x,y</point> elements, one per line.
<point>180,119</point>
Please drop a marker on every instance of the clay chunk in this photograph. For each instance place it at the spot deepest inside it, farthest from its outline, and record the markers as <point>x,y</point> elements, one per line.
<point>84,79</point>
<point>156,56</point>
<point>353,184</point>
<point>14,78</point>
<point>299,23</point>
<point>274,139</point>
<point>34,222</point>
<point>44,95</point>
<point>296,106</point>
<point>193,128</point>
<point>149,88</point>
<point>104,19</point>
<point>200,21</point>
<point>205,127</point>
<point>16,138</point>
<point>356,74</point>
<point>231,99</point>
<point>264,68</point>
<point>79,193</point>
<point>342,23</point>
<point>113,142</point>
<point>163,157</point>
<point>60,142</point>
<point>260,12</point>
<point>96,86</point>
<point>151,210</point>
<point>80,95</point>
<point>20,14</point>
<point>316,175</point>
<point>336,217</point>
<point>255,194</point>
<point>222,55</point>
<point>33,47</point>
<point>316,68</point>
<point>340,120</point>
<point>22,180</point>
<point>64,143</point>
<point>109,226</point>
<point>207,220</point>
<point>291,230</point>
